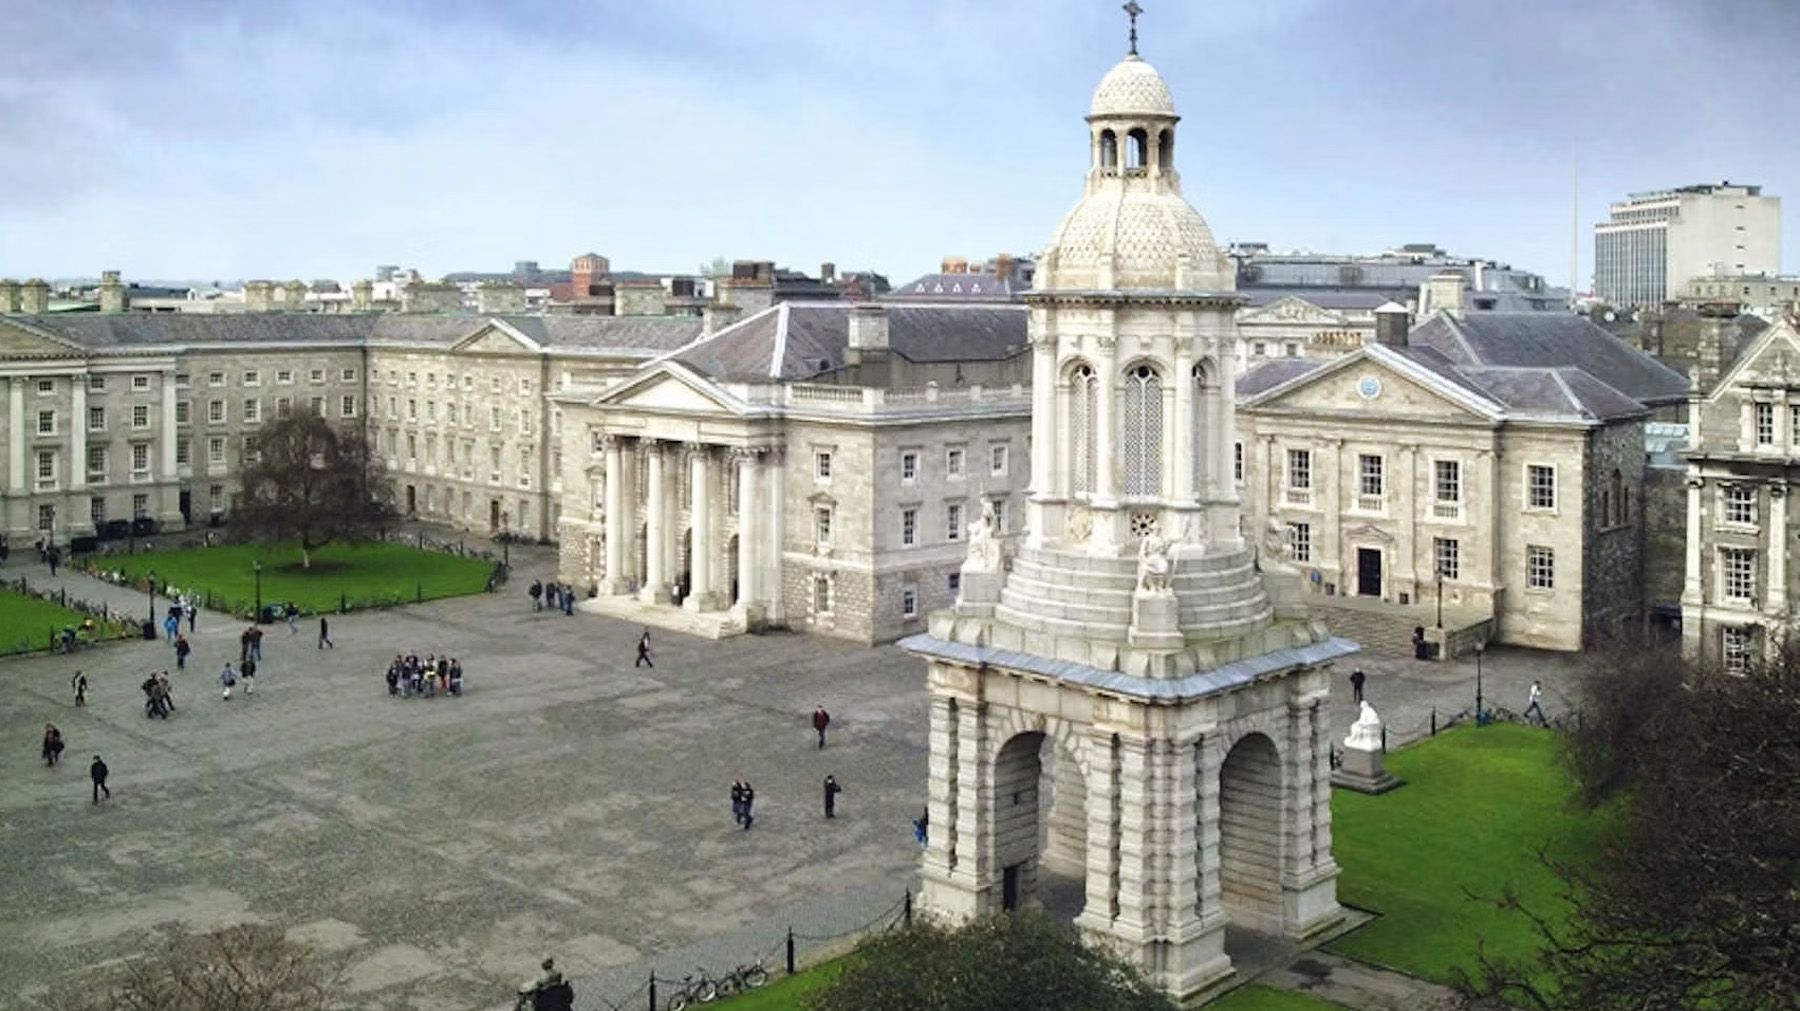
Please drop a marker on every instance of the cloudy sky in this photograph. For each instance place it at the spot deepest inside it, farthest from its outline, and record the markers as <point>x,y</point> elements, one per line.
<point>275,138</point>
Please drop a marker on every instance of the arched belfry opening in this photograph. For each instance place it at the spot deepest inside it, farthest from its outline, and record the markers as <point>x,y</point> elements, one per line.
<point>1128,703</point>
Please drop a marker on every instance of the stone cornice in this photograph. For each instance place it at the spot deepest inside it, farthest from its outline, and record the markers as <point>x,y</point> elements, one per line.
<point>1224,300</point>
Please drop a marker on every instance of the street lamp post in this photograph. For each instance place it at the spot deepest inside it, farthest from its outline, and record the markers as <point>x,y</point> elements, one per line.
<point>256,567</point>
<point>1479,647</point>
<point>150,591</point>
<point>1440,597</point>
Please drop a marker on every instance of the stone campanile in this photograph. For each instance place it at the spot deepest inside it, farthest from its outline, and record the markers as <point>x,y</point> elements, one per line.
<point>1128,715</point>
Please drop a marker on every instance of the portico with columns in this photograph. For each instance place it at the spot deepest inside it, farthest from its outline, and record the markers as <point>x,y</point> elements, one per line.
<point>1127,716</point>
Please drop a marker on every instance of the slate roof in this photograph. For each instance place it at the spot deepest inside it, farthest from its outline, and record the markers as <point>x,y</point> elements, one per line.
<point>1550,340</point>
<point>1273,373</point>
<point>963,287</point>
<point>644,334</point>
<point>797,340</point>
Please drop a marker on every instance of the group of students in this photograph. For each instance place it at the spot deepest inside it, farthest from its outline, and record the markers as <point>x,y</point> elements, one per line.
<point>408,676</point>
<point>557,596</point>
<point>159,695</point>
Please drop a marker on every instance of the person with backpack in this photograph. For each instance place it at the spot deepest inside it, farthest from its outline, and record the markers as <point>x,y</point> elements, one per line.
<point>643,651</point>
<point>182,649</point>
<point>821,720</point>
<point>537,594</point>
<point>227,680</point>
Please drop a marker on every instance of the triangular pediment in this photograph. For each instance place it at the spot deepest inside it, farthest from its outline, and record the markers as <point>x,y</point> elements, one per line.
<point>1376,382</point>
<point>1293,309</point>
<point>666,389</point>
<point>1773,358</point>
<point>19,340</point>
<point>496,338</point>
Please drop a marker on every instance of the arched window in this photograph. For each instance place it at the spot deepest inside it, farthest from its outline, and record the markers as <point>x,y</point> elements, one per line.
<point>1083,388</point>
<point>1143,432</point>
<point>1137,146</point>
<point>1165,150</point>
<point>1197,431</point>
<point>1109,150</point>
<point>1615,494</point>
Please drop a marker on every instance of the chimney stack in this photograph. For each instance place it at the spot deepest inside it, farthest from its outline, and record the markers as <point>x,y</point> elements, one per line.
<point>1718,339</point>
<point>9,295</point>
<point>113,298</point>
<point>259,296</point>
<point>362,295</point>
<point>1443,292</point>
<point>1392,322</point>
<point>868,327</point>
<point>716,316</point>
<point>294,296</point>
<point>1003,266</point>
<point>34,297</point>
<point>500,298</point>
<point>828,272</point>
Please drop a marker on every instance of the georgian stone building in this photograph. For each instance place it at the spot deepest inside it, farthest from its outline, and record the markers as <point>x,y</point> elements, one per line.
<point>117,416</point>
<point>1482,467</point>
<point>812,466</point>
<point>1743,458</point>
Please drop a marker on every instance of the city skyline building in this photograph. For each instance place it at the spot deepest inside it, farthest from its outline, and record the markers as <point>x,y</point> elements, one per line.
<point>1655,242</point>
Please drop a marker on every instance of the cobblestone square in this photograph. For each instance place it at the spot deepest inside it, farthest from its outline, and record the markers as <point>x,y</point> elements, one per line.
<point>569,804</point>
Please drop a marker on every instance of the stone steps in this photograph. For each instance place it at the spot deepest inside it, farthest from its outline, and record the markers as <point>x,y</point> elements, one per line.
<point>1375,631</point>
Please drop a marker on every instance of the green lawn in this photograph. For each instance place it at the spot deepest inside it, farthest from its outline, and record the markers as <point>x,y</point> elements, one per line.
<point>1478,804</point>
<point>26,623</point>
<point>1256,997</point>
<point>360,575</point>
<point>786,992</point>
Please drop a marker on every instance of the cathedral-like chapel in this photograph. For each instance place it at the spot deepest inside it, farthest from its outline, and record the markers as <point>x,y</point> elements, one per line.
<point>1132,707</point>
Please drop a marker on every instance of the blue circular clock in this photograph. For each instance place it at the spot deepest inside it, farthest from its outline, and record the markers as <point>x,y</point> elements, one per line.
<point>1370,387</point>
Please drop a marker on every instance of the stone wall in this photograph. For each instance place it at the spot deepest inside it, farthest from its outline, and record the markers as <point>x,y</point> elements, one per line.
<point>1543,617</point>
<point>1663,513</point>
<point>1613,569</point>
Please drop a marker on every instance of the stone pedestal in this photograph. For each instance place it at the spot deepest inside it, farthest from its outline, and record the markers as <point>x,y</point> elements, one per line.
<point>980,591</point>
<point>1363,772</point>
<point>1155,621</point>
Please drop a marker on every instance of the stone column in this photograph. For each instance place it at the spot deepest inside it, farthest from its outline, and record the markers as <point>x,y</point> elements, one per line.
<point>656,572</point>
<point>616,527</point>
<point>1106,432</point>
<point>78,444</point>
<point>1103,835</point>
<point>1776,596</point>
<point>1196,938</point>
<point>1186,444</point>
<point>1137,813</point>
<point>1406,525</point>
<point>972,845</point>
<point>703,547</point>
<point>169,435</point>
<point>1308,873</point>
<point>770,480</point>
<point>750,527</point>
<point>1226,422</point>
<point>1043,419</point>
<point>939,863</point>
<point>15,437</point>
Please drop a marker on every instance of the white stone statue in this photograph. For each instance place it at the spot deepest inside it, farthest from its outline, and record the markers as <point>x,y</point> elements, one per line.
<point>1277,547</point>
<point>1365,733</point>
<point>1155,563</point>
<point>984,541</point>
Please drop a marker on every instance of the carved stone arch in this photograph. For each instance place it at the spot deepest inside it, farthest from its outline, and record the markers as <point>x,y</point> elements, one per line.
<point>1063,734</point>
<point>1130,366</point>
<point>1071,366</point>
<point>1253,784</point>
<point>1109,150</point>
<point>1205,373</point>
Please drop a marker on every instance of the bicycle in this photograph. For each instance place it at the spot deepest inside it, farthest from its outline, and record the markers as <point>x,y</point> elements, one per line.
<point>695,988</point>
<point>744,977</point>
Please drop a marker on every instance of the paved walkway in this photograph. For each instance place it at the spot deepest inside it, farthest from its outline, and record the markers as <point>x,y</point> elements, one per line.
<point>571,804</point>
<point>1358,985</point>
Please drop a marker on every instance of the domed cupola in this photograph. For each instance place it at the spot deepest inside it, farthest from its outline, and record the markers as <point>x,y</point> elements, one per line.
<point>1133,230</point>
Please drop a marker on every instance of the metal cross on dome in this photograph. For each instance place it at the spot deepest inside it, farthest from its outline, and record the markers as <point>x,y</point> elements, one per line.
<point>1132,10</point>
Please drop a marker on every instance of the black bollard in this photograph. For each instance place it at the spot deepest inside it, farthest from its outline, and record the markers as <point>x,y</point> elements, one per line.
<point>790,951</point>
<point>653,992</point>
<point>418,593</point>
<point>343,603</point>
<point>908,908</point>
<point>1434,721</point>
<point>1384,738</point>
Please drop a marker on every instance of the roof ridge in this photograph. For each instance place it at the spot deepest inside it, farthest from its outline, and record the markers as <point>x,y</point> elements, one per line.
<point>782,313</point>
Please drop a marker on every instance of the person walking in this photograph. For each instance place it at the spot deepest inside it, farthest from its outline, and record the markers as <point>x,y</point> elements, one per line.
<point>193,614</point>
<point>1535,705</point>
<point>749,804</point>
<point>168,689</point>
<point>325,633</point>
<point>182,649</point>
<point>98,773</point>
<point>53,744</point>
<point>248,673</point>
<point>255,634</point>
<point>821,720</point>
<point>1356,685</point>
<point>643,651</point>
<point>536,591</point>
<point>922,827</point>
<point>227,681</point>
<point>171,628</point>
<point>832,789</point>
<point>293,619</point>
<point>737,801</point>
<point>80,683</point>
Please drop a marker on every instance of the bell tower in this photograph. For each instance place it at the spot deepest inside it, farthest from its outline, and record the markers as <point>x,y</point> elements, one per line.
<point>1133,705</point>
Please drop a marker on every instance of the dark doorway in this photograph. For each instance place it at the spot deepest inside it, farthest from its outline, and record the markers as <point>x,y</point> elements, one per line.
<point>1368,572</point>
<point>412,500</point>
<point>187,507</point>
<point>493,514</point>
<point>1009,888</point>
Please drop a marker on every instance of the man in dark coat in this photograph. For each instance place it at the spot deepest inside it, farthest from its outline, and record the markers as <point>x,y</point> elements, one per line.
<point>98,772</point>
<point>832,789</point>
<point>821,720</point>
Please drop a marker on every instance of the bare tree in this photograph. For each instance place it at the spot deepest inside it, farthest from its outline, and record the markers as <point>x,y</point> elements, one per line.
<point>243,968</point>
<point>1693,901</point>
<point>312,483</point>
